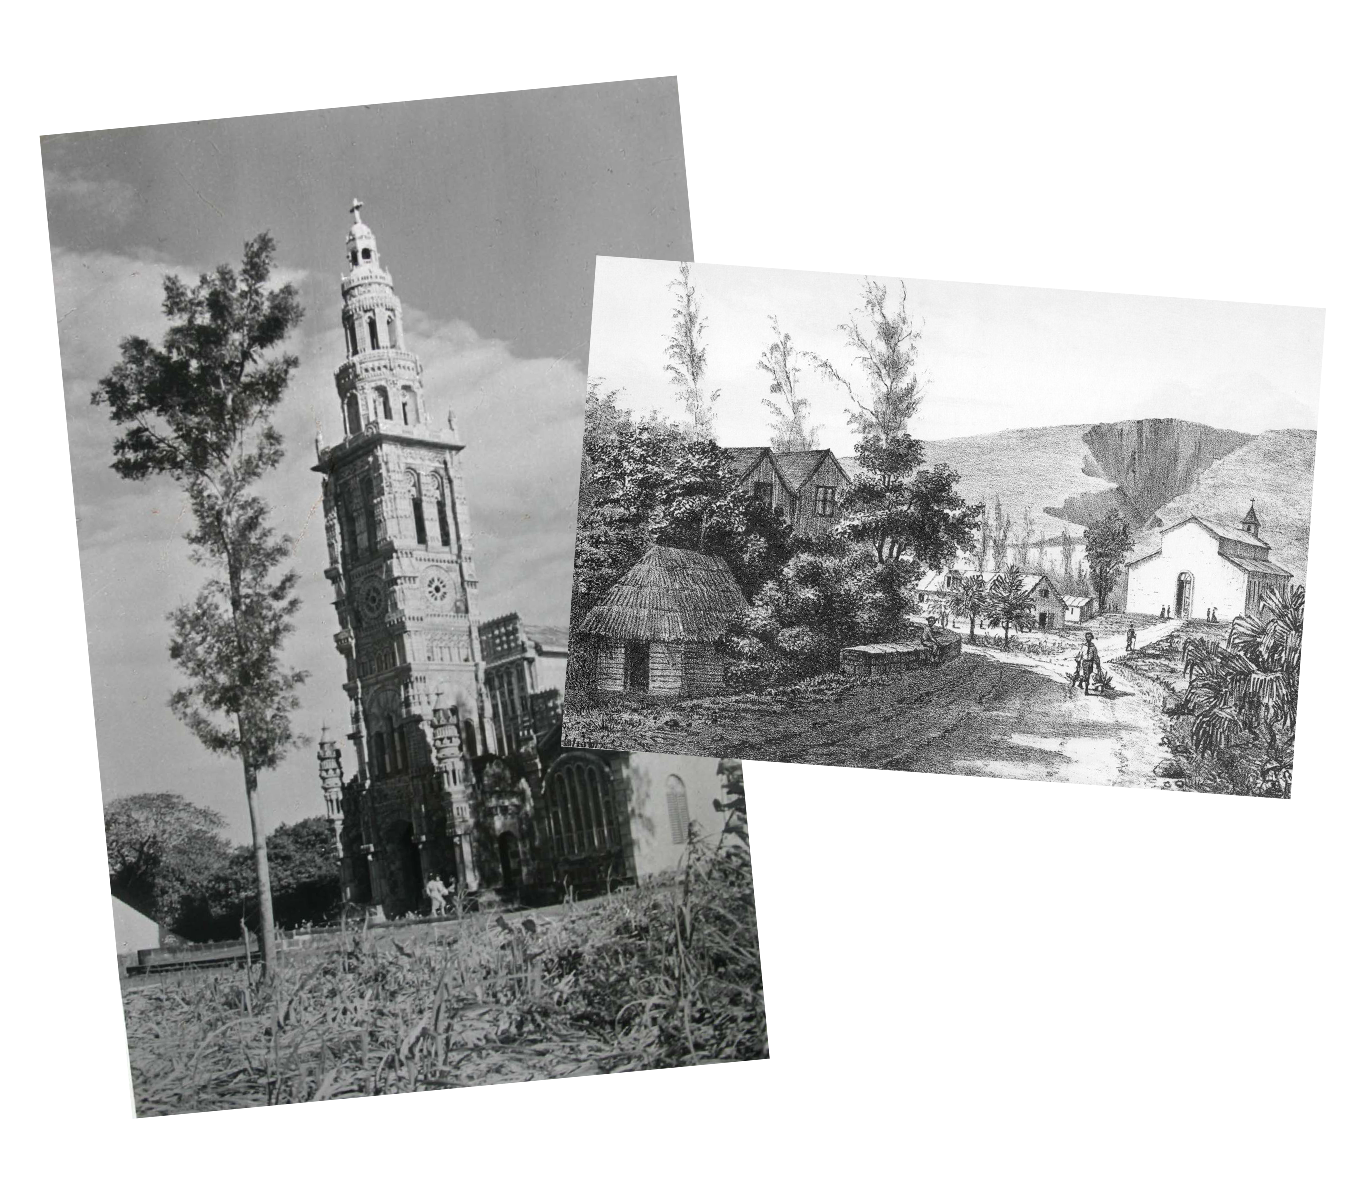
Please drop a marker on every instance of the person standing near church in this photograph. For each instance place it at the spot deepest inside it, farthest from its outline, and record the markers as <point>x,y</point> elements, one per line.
<point>436,891</point>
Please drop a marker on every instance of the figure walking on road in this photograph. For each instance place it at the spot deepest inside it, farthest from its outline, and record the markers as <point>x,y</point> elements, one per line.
<point>1131,638</point>
<point>1088,659</point>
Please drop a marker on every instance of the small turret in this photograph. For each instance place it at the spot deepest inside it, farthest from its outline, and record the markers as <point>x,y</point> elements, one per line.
<point>329,772</point>
<point>1251,522</point>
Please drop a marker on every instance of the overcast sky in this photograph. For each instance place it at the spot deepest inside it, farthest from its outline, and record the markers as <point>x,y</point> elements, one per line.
<point>488,211</point>
<point>995,356</point>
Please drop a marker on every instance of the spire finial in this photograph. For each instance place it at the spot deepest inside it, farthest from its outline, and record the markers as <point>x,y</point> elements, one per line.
<point>355,206</point>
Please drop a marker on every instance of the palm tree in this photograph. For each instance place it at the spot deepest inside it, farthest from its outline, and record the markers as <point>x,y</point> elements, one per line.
<point>970,600</point>
<point>1248,687</point>
<point>1006,604</point>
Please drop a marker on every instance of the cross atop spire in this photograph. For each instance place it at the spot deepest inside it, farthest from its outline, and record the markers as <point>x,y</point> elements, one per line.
<point>355,206</point>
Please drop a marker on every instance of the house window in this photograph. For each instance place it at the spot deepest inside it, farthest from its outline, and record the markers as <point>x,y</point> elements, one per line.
<point>762,490</point>
<point>824,500</point>
<point>678,816</point>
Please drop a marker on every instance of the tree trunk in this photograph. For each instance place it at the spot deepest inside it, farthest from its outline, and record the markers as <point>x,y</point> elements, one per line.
<point>267,907</point>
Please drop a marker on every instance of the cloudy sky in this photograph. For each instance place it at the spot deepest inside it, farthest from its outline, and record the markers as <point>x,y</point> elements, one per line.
<point>488,211</point>
<point>995,356</point>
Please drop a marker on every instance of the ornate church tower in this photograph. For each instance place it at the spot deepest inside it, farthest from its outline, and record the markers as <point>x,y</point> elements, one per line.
<point>402,569</point>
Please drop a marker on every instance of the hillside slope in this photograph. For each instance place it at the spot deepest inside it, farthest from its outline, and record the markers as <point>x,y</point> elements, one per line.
<point>1275,468</point>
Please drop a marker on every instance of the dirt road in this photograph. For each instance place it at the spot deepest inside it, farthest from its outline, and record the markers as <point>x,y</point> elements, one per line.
<point>987,713</point>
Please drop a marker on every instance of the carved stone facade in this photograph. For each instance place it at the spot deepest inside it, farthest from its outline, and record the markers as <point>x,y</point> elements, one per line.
<point>448,782</point>
<point>401,563</point>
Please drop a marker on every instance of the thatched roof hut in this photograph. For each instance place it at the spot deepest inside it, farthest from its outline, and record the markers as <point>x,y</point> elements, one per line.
<point>655,630</point>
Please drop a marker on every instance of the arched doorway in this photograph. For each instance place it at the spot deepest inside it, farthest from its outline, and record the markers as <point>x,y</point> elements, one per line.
<point>509,855</point>
<point>1184,595</point>
<point>405,890</point>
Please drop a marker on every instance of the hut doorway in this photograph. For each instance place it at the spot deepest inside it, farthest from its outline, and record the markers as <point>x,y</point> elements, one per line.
<point>637,666</point>
<point>1184,595</point>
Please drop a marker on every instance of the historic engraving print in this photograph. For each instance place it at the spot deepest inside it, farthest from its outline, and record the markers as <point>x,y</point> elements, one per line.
<point>970,529</point>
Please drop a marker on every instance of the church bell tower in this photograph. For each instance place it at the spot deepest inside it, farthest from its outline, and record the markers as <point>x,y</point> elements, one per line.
<point>401,563</point>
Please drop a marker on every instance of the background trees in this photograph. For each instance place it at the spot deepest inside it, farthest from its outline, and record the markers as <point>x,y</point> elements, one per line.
<point>198,409</point>
<point>791,430</point>
<point>971,600</point>
<point>1107,543</point>
<point>686,357</point>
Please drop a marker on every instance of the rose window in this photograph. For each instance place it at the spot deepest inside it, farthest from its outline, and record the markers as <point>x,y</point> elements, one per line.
<point>437,589</point>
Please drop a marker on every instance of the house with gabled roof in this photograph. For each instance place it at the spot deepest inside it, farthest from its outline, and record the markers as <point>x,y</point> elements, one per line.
<point>808,487</point>
<point>1198,565</point>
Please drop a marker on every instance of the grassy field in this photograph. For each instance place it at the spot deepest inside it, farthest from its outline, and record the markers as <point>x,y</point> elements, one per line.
<point>648,977</point>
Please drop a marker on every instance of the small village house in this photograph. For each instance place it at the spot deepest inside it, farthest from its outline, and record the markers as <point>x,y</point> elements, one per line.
<point>1080,607</point>
<point>808,487</point>
<point>656,631</point>
<point>936,591</point>
<point>1197,565</point>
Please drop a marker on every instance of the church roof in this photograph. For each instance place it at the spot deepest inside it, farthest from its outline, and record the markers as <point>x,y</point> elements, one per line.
<point>1221,529</point>
<point>1257,567</point>
<point>552,640</point>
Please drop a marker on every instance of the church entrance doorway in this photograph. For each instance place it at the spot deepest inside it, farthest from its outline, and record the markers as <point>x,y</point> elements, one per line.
<point>1184,595</point>
<point>406,890</point>
<point>509,855</point>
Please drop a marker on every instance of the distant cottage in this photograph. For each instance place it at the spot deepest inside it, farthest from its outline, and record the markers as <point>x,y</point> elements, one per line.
<point>1053,608</point>
<point>808,487</point>
<point>1199,565</point>
<point>656,630</point>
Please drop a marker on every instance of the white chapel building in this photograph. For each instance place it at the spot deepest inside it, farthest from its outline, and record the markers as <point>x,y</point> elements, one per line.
<point>1200,565</point>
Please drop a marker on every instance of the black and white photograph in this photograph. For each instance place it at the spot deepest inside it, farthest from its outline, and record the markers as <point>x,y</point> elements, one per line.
<point>324,383</point>
<point>936,527</point>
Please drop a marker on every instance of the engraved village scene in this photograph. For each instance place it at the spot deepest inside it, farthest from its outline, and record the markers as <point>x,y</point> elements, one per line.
<point>326,544</point>
<point>940,527</point>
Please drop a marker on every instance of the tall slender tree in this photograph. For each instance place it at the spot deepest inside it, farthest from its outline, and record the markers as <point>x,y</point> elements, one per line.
<point>895,504</point>
<point>198,409</point>
<point>791,430</point>
<point>686,357</point>
<point>1107,543</point>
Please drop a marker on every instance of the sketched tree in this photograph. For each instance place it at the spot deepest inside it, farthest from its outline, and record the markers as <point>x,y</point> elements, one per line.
<point>686,358</point>
<point>895,504</point>
<point>1067,557</point>
<point>971,600</point>
<point>790,411</point>
<point>198,409</point>
<point>1001,527</point>
<point>1006,604</point>
<point>1106,546</point>
<point>1247,690</point>
<point>982,554</point>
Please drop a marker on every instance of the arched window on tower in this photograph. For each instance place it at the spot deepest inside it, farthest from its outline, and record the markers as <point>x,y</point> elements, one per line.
<point>382,393</point>
<point>366,254</point>
<point>347,532</point>
<point>393,331</point>
<point>442,518</point>
<point>399,739</point>
<point>409,403</point>
<point>353,414</point>
<point>367,502</point>
<point>419,514</point>
<point>349,325</point>
<point>373,330</point>
<point>378,755</point>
